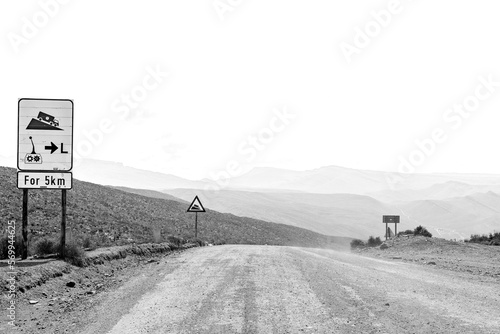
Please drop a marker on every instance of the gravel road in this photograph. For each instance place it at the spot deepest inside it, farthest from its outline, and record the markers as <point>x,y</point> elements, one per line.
<point>265,289</point>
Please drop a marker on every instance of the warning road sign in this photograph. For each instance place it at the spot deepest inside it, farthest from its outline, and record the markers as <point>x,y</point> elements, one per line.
<point>45,135</point>
<point>196,206</point>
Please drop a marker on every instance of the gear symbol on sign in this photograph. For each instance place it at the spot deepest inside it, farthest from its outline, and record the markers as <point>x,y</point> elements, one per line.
<point>29,158</point>
<point>37,158</point>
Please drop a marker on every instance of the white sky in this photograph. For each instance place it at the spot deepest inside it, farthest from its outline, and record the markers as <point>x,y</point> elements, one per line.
<point>226,76</point>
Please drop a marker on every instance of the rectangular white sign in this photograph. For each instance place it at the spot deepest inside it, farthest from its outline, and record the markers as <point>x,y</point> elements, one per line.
<point>44,180</point>
<point>45,135</point>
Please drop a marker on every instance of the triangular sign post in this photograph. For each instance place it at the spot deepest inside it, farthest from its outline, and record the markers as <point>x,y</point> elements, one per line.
<point>196,207</point>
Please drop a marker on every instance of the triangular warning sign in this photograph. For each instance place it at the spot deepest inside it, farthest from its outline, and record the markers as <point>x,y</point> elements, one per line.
<point>196,206</point>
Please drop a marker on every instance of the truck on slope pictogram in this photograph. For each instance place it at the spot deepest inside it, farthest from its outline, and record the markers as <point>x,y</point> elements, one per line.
<point>46,118</point>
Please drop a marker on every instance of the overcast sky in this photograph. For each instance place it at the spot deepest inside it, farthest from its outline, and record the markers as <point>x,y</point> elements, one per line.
<point>193,88</point>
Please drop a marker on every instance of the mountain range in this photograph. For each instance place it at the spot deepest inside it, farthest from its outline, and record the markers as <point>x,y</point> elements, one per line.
<point>358,215</point>
<point>330,200</point>
<point>116,216</point>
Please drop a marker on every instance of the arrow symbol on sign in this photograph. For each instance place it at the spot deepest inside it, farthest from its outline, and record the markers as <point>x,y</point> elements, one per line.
<point>52,147</point>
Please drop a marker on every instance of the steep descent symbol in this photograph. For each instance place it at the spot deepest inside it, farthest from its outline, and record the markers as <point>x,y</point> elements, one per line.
<point>43,122</point>
<point>196,206</point>
<point>33,157</point>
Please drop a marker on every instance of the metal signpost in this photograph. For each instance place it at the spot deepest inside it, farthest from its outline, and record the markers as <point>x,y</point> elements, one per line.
<point>390,220</point>
<point>196,207</point>
<point>44,153</point>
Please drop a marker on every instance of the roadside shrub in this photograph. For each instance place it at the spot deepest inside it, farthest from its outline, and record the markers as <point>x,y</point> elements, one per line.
<point>491,239</point>
<point>88,243</point>
<point>198,241</point>
<point>176,241</point>
<point>420,230</point>
<point>74,254</point>
<point>476,238</point>
<point>407,232</point>
<point>374,242</point>
<point>356,243</point>
<point>46,246</point>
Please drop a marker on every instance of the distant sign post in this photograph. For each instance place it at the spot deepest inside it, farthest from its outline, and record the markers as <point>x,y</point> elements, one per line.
<point>196,207</point>
<point>44,153</point>
<point>390,220</point>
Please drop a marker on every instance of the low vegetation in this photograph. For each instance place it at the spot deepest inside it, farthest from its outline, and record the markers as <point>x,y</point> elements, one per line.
<point>46,246</point>
<point>371,242</point>
<point>407,232</point>
<point>493,239</point>
<point>374,242</point>
<point>420,230</point>
<point>356,243</point>
<point>74,254</point>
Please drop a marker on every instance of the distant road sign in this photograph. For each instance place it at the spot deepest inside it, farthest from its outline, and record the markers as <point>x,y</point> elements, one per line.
<point>391,220</point>
<point>196,206</point>
<point>45,135</point>
<point>44,180</point>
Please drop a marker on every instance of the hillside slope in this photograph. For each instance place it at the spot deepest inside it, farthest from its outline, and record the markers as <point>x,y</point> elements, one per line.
<point>103,211</point>
<point>474,214</point>
<point>335,214</point>
<point>359,216</point>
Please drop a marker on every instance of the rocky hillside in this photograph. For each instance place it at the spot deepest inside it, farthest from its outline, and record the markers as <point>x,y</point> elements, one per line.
<point>119,217</point>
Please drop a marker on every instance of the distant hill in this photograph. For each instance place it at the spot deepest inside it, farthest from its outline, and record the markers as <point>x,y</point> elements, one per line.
<point>359,216</point>
<point>99,210</point>
<point>474,214</point>
<point>116,174</point>
<point>438,191</point>
<point>151,193</point>
<point>384,186</point>
<point>332,179</point>
<point>335,214</point>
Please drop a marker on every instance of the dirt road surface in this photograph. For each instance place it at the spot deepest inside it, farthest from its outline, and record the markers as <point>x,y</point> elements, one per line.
<point>264,289</point>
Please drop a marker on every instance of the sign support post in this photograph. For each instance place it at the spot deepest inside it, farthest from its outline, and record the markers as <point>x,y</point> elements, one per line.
<point>63,224</point>
<point>390,220</point>
<point>196,225</point>
<point>24,249</point>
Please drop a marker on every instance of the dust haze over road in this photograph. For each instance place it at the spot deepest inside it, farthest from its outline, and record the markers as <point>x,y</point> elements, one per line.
<point>267,289</point>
